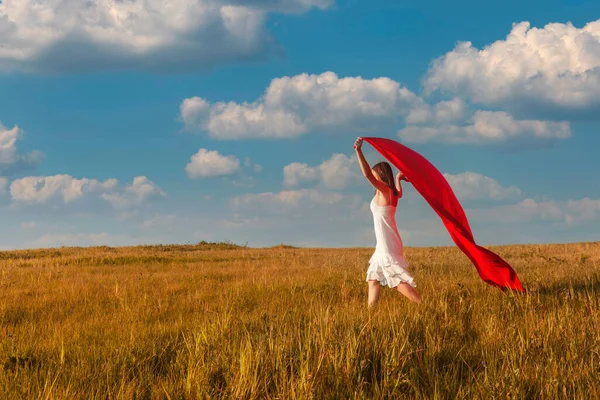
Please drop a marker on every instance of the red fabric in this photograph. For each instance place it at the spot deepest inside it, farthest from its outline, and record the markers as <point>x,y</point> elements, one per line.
<point>432,185</point>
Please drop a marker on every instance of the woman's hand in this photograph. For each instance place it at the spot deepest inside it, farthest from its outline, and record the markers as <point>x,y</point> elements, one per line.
<point>358,143</point>
<point>401,177</point>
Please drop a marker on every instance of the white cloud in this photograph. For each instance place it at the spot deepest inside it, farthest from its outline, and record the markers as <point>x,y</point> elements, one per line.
<point>526,211</point>
<point>335,173</point>
<point>209,163</point>
<point>293,106</point>
<point>8,141</point>
<point>298,105</point>
<point>469,185</point>
<point>553,68</point>
<point>303,206</point>
<point>440,113</point>
<point>40,189</point>
<point>136,193</point>
<point>530,210</point>
<point>165,35</point>
<point>287,199</point>
<point>582,210</point>
<point>66,189</point>
<point>488,127</point>
<point>295,173</point>
<point>10,159</point>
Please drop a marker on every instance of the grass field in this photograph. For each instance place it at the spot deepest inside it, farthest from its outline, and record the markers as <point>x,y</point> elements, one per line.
<point>221,321</point>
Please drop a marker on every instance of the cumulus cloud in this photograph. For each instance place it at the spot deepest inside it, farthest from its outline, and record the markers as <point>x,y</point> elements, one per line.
<point>65,189</point>
<point>164,35</point>
<point>471,186</point>
<point>487,127</point>
<point>335,173</point>
<point>136,193</point>
<point>295,173</point>
<point>440,113</point>
<point>581,210</point>
<point>530,210</point>
<point>286,6</point>
<point>287,198</point>
<point>10,159</point>
<point>40,189</point>
<point>543,70</point>
<point>297,105</point>
<point>209,163</point>
<point>297,204</point>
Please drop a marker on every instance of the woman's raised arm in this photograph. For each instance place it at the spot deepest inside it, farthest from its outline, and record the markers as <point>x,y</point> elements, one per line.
<point>366,169</point>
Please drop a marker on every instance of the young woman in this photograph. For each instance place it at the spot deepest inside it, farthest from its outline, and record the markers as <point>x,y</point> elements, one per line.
<point>387,265</point>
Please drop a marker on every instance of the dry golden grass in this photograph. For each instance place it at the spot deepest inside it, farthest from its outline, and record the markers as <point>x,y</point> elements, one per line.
<point>218,321</point>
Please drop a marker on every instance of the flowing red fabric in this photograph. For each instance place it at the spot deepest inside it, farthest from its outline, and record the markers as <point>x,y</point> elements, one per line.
<point>436,190</point>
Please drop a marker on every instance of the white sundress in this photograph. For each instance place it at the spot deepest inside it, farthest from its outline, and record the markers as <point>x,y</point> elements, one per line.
<point>387,264</point>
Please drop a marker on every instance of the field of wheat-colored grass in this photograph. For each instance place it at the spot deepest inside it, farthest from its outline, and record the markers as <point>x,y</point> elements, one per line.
<point>222,321</point>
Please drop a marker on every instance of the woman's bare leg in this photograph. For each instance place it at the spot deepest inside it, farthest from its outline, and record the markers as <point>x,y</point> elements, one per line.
<point>409,292</point>
<point>373,293</point>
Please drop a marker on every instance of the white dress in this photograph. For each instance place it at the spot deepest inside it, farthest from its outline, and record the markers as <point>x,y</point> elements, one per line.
<point>387,264</point>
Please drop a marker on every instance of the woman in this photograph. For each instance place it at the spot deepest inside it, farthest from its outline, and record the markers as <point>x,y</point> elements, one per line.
<point>387,265</point>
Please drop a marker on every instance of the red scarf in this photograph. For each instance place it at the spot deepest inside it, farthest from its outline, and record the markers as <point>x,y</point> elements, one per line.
<point>432,185</point>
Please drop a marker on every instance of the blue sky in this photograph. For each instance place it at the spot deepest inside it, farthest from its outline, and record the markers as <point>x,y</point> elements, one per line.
<point>124,125</point>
